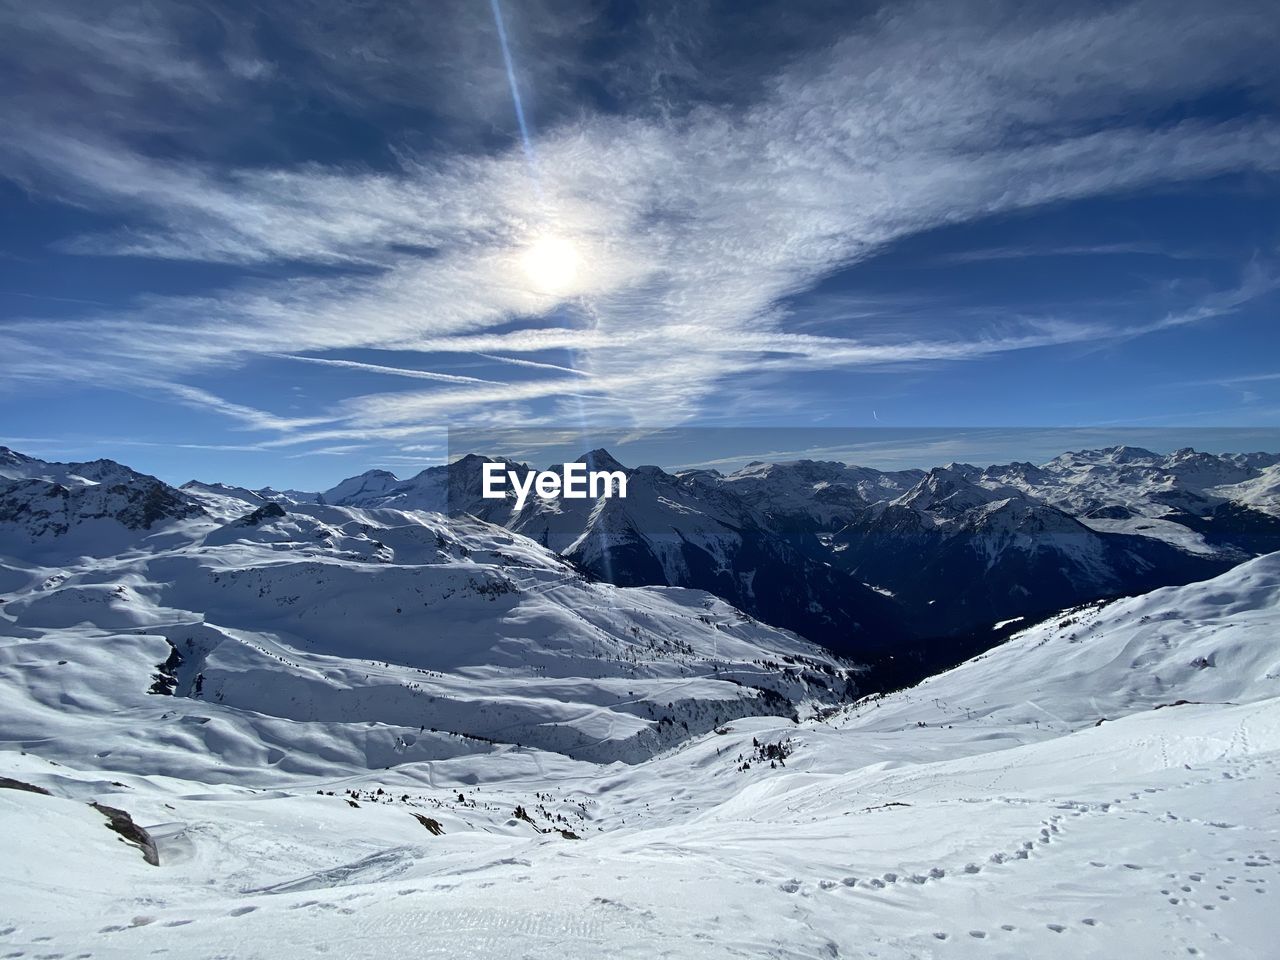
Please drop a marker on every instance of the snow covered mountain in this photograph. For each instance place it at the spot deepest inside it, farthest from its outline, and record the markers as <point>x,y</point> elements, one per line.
<point>816,495</point>
<point>677,531</point>
<point>364,619</point>
<point>453,489</point>
<point>964,555</point>
<point>1196,501</point>
<point>668,531</point>
<point>95,508</point>
<point>316,730</point>
<point>914,566</point>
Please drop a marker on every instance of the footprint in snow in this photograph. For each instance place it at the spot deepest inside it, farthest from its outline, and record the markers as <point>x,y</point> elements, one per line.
<point>1056,927</point>
<point>241,911</point>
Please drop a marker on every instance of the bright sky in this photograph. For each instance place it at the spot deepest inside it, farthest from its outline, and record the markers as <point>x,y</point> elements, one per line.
<point>289,244</point>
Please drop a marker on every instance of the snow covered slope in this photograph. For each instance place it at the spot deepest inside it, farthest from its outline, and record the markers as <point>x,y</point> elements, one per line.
<point>984,813</point>
<point>1214,641</point>
<point>1210,642</point>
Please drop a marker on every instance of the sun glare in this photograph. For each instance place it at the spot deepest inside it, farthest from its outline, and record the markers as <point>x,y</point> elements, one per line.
<point>551,264</point>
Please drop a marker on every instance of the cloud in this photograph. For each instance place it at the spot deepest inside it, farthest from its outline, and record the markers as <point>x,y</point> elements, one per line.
<point>389,371</point>
<point>694,226</point>
<point>249,417</point>
<point>1065,250</point>
<point>533,364</point>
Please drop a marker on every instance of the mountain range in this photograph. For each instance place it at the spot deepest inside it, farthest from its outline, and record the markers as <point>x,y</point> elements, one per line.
<point>908,570</point>
<point>905,571</point>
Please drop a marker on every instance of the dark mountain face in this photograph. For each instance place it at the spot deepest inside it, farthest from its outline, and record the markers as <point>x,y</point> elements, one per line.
<point>961,557</point>
<point>1233,525</point>
<point>680,531</point>
<point>776,579</point>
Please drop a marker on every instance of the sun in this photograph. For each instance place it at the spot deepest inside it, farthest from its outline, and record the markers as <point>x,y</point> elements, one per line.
<point>551,264</point>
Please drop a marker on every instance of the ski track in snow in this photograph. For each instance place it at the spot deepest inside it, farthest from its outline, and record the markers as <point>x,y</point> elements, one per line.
<point>1180,857</point>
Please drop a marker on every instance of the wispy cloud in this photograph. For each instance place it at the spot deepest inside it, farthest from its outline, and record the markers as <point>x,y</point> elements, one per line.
<point>986,254</point>
<point>383,369</point>
<point>534,364</point>
<point>692,227</point>
<point>249,417</point>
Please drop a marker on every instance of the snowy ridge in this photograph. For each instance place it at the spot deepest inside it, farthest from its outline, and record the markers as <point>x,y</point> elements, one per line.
<point>95,508</point>
<point>1210,642</point>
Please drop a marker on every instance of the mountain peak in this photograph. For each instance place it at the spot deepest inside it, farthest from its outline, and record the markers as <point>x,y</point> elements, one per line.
<point>349,490</point>
<point>1127,454</point>
<point>600,459</point>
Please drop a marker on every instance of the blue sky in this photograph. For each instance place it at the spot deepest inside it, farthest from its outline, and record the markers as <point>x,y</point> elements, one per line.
<point>284,243</point>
